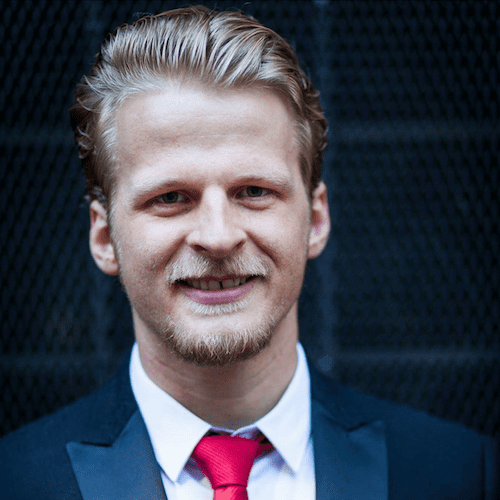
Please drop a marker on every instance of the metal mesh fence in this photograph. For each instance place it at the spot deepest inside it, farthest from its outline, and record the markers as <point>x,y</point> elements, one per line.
<point>404,303</point>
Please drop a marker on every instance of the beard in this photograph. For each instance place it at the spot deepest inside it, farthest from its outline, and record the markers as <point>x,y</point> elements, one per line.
<point>220,348</point>
<point>223,344</point>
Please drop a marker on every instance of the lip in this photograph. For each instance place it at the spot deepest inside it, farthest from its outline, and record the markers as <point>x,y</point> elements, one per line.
<point>223,296</point>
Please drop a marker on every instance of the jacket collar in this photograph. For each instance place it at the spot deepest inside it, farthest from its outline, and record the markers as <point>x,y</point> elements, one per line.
<point>350,452</point>
<point>125,470</point>
<point>113,458</point>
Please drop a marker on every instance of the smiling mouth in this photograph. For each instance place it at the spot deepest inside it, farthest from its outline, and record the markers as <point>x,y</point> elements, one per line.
<point>213,285</point>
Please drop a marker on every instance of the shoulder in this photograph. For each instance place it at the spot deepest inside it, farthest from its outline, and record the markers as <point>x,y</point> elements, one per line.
<point>351,407</point>
<point>36,454</point>
<point>420,447</point>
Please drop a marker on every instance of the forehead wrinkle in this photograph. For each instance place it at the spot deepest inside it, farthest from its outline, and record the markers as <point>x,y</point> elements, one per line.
<point>184,134</point>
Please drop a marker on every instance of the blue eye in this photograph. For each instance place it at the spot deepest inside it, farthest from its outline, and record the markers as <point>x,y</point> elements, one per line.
<point>254,191</point>
<point>172,197</point>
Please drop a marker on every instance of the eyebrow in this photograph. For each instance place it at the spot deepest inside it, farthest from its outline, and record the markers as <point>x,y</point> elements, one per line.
<point>144,187</point>
<point>279,180</point>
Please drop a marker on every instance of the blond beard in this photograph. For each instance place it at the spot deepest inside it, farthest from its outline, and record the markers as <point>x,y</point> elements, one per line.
<point>223,347</point>
<point>220,348</point>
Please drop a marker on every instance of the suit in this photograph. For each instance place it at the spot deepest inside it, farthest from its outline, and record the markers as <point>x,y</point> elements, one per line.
<point>364,448</point>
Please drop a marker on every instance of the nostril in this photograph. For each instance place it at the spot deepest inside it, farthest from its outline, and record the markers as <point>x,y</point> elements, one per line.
<point>217,242</point>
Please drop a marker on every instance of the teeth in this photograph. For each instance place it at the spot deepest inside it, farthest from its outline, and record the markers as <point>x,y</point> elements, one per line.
<point>213,285</point>
<point>217,285</point>
<point>228,283</point>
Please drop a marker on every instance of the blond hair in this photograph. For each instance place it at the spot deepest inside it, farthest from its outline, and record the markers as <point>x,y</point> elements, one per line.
<point>222,49</point>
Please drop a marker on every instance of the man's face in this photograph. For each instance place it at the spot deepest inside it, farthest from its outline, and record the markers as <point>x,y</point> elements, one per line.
<point>211,226</point>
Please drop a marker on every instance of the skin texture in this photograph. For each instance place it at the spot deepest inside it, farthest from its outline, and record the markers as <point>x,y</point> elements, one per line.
<point>212,175</point>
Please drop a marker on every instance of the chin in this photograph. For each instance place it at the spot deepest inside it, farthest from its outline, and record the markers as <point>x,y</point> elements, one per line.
<point>223,347</point>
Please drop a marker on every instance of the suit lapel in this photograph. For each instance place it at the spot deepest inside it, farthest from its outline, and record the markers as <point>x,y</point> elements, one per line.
<point>349,464</point>
<point>124,470</point>
<point>115,459</point>
<point>350,454</point>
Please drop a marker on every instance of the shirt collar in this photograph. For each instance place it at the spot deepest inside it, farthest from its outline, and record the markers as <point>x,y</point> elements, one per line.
<point>175,431</point>
<point>288,424</point>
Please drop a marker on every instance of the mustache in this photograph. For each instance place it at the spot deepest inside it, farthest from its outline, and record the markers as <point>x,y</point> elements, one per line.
<point>195,267</point>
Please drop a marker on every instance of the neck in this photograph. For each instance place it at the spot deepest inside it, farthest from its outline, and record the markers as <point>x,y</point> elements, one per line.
<point>229,396</point>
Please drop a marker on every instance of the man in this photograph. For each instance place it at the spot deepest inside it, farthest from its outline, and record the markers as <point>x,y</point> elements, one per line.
<point>202,142</point>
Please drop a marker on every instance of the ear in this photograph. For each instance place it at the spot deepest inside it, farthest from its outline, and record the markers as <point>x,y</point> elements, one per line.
<point>320,221</point>
<point>101,245</point>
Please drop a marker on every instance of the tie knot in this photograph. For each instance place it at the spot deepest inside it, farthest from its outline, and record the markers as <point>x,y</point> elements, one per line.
<point>227,460</point>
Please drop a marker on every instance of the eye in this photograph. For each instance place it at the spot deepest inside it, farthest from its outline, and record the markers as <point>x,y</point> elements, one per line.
<point>253,192</point>
<point>172,197</point>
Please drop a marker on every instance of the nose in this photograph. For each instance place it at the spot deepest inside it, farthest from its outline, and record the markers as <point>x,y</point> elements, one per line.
<point>216,230</point>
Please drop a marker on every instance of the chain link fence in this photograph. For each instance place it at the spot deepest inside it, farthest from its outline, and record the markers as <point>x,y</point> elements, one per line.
<point>404,303</point>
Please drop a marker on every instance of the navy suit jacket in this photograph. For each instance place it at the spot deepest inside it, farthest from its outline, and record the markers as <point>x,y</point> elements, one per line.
<point>364,449</point>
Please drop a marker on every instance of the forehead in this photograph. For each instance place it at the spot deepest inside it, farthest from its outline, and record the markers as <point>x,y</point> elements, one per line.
<point>198,127</point>
<point>178,109</point>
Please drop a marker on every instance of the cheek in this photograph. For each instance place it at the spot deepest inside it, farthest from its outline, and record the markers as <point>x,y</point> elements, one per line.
<point>141,251</point>
<point>285,239</point>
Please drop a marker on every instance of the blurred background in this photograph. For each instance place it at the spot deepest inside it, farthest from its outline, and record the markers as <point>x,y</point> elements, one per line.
<point>404,303</point>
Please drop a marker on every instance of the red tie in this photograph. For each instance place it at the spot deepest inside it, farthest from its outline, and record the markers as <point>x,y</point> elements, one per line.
<point>227,461</point>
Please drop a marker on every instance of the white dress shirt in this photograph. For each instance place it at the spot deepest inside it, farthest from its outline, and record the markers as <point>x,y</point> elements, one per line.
<point>286,473</point>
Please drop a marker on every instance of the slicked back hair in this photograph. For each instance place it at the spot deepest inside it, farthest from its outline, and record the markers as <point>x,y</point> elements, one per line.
<point>223,50</point>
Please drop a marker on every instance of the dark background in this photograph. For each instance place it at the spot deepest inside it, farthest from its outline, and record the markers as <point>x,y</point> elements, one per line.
<point>404,303</point>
